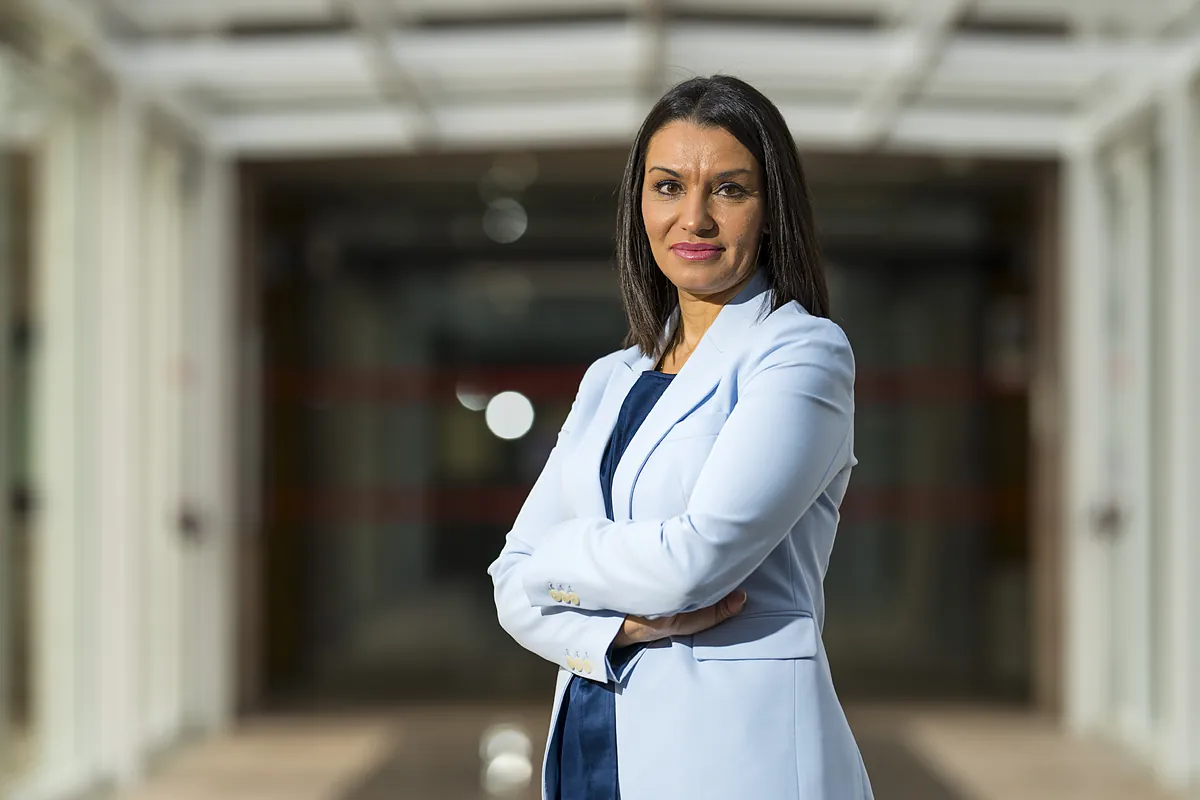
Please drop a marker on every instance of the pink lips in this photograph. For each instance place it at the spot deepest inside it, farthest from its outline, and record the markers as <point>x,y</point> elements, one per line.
<point>696,252</point>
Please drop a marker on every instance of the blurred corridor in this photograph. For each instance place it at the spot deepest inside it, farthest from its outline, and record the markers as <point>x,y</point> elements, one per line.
<point>436,753</point>
<point>296,294</point>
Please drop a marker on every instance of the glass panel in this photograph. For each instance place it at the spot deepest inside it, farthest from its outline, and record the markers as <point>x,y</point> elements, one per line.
<point>914,523</point>
<point>6,571</point>
<point>926,583</point>
<point>392,308</point>
<point>388,489</point>
<point>391,484</point>
<point>17,546</point>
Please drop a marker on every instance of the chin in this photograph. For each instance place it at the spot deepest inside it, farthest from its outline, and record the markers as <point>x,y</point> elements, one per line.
<point>701,280</point>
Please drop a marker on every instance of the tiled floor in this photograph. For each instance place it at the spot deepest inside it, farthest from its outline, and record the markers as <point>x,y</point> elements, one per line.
<point>433,753</point>
<point>1008,755</point>
<point>281,758</point>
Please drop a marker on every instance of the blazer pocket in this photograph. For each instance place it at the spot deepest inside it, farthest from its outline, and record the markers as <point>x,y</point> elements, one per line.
<point>765,635</point>
<point>708,424</point>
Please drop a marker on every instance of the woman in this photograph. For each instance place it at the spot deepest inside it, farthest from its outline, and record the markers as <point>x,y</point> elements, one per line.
<point>670,556</point>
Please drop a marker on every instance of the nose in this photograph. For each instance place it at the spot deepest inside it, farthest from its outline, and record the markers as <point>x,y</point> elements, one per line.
<point>695,216</point>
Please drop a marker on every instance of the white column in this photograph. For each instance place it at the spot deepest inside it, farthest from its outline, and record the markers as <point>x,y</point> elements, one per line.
<point>1180,595</point>
<point>1130,379</point>
<point>1086,562</point>
<point>116,409</point>
<point>59,408</point>
<point>161,456</point>
<point>210,579</point>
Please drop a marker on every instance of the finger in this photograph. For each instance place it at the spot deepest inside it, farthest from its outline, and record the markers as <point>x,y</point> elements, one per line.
<point>705,618</point>
<point>699,620</point>
<point>733,603</point>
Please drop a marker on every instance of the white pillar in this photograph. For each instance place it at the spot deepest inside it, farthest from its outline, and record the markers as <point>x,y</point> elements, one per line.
<point>1180,596</point>
<point>1086,561</point>
<point>115,401</point>
<point>210,666</point>
<point>1131,373</point>
<point>161,456</point>
<point>58,411</point>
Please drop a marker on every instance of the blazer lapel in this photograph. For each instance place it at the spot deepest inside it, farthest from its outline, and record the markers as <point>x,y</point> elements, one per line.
<point>688,389</point>
<point>586,498</point>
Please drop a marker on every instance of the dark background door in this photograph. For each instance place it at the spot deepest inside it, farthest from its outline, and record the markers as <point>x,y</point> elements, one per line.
<point>396,303</point>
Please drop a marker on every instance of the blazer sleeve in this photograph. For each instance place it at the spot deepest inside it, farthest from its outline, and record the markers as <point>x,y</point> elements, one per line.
<point>788,435</point>
<point>575,638</point>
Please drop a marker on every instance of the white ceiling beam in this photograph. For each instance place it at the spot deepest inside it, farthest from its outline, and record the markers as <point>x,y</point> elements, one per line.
<point>161,16</point>
<point>376,24</point>
<point>381,129</point>
<point>229,63</point>
<point>652,14</point>
<point>24,116</point>
<point>316,132</point>
<point>1177,13</point>
<point>1029,60</point>
<point>498,8</point>
<point>1136,99</point>
<point>613,122</point>
<point>84,30</point>
<point>167,15</point>
<point>933,24</point>
<point>1034,12</point>
<point>464,58</point>
<point>601,56</point>
<point>993,133</point>
<point>1067,12</point>
<point>1123,111</point>
<point>804,59</point>
<point>164,15</point>
<point>835,8</point>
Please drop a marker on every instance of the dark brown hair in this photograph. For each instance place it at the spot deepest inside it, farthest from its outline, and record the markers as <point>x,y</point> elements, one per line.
<point>789,256</point>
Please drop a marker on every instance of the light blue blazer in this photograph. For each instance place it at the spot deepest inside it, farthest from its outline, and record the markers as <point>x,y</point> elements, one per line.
<point>733,480</point>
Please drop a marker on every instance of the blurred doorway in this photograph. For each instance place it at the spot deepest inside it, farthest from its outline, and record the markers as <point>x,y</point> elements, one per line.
<point>6,548</point>
<point>397,298</point>
<point>935,279</point>
<point>393,310</point>
<point>17,547</point>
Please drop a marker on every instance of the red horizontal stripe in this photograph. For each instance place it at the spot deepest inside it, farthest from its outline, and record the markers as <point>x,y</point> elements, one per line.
<point>498,505</point>
<point>557,383</point>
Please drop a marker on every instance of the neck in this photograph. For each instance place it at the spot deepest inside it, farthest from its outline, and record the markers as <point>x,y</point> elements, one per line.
<point>696,314</point>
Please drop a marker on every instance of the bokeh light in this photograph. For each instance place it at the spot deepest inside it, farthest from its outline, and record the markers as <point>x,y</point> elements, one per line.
<point>509,415</point>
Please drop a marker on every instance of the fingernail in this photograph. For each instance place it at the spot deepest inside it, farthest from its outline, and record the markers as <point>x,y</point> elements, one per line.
<point>738,601</point>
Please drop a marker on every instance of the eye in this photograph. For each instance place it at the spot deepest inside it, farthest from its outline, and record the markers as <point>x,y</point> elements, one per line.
<point>668,187</point>
<point>731,190</point>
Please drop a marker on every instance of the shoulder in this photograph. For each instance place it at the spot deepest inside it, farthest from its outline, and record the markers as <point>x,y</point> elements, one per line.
<point>595,377</point>
<point>790,335</point>
<point>592,385</point>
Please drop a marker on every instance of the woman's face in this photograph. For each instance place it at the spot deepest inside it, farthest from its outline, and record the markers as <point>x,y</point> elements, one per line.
<point>703,205</point>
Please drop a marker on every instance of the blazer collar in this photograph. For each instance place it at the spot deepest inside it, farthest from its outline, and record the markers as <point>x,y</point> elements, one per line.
<point>687,390</point>
<point>734,319</point>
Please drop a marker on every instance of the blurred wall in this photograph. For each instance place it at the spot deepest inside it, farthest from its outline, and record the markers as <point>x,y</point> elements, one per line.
<point>250,464</point>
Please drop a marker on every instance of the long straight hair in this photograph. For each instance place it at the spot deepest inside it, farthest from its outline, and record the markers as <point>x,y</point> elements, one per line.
<point>788,256</point>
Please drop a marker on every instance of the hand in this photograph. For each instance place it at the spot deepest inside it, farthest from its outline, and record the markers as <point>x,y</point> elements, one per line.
<point>638,630</point>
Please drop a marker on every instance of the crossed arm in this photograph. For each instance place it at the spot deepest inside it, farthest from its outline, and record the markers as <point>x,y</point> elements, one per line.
<point>555,634</point>
<point>788,435</point>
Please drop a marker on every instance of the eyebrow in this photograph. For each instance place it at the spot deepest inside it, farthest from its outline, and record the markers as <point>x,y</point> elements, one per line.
<point>726,174</point>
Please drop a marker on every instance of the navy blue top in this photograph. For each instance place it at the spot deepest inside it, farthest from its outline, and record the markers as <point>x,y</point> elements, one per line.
<point>583,757</point>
